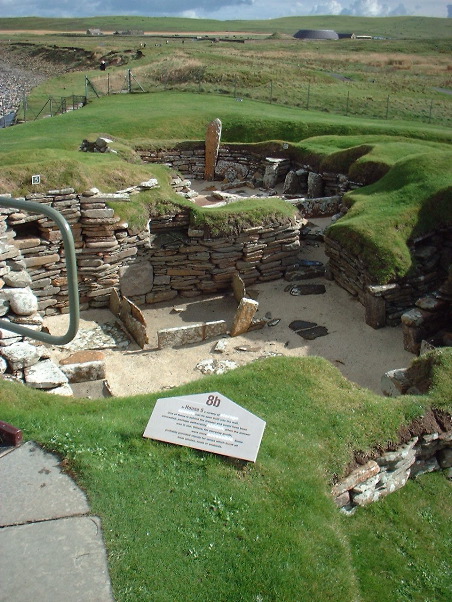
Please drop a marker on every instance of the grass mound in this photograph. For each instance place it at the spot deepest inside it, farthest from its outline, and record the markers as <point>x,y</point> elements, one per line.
<point>414,197</point>
<point>188,525</point>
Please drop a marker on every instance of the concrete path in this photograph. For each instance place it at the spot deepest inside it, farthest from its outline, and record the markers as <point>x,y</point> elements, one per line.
<point>51,547</point>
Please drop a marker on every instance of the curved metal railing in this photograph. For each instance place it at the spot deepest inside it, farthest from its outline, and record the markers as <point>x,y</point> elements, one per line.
<point>71,265</point>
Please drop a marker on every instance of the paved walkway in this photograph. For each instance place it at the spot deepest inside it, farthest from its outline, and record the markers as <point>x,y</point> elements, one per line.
<point>51,546</point>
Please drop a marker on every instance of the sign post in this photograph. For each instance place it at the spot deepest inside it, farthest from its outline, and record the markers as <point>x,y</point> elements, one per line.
<point>209,422</point>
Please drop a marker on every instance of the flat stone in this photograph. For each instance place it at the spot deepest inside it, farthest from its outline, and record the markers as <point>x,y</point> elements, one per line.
<point>359,475</point>
<point>313,333</point>
<point>32,262</point>
<point>308,289</point>
<point>297,325</point>
<point>34,489</point>
<point>151,183</point>
<point>211,366</point>
<point>304,273</point>
<point>55,560</point>
<point>83,356</point>
<point>45,375</point>
<point>22,301</point>
<point>63,390</point>
<point>87,371</point>
<point>98,213</point>
<point>17,279</point>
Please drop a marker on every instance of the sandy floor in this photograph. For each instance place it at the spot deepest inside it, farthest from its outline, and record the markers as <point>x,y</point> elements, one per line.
<point>361,353</point>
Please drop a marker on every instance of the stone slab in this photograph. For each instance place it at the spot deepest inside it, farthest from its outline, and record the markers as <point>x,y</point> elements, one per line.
<point>34,488</point>
<point>54,560</point>
<point>45,375</point>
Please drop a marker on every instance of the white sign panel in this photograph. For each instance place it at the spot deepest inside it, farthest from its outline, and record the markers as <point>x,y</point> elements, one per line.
<point>36,179</point>
<point>208,421</point>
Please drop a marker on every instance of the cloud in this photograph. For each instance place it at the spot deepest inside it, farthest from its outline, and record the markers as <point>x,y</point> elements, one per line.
<point>366,8</point>
<point>327,8</point>
<point>222,9</point>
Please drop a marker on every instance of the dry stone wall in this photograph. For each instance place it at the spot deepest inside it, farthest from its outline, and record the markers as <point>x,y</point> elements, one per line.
<point>427,452</point>
<point>237,164</point>
<point>385,304</point>
<point>167,259</point>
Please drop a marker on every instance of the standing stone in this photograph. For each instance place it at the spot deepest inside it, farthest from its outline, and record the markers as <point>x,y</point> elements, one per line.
<point>315,185</point>
<point>213,137</point>
<point>375,311</point>
<point>244,316</point>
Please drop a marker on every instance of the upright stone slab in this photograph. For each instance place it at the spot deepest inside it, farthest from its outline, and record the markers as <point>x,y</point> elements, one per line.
<point>375,311</point>
<point>213,137</point>
<point>244,316</point>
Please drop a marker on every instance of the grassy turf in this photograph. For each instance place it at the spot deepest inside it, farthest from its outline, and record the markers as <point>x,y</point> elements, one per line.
<point>188,525</point>
<point>410,171</point>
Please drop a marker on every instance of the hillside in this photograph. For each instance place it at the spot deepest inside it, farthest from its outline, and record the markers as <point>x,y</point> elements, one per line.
<point>392,27</point>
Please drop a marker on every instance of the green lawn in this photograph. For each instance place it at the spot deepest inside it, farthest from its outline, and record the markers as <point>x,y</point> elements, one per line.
<point>186,525</point>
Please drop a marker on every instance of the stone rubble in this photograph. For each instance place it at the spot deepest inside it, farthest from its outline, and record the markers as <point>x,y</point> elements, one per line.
<point>391,470</point>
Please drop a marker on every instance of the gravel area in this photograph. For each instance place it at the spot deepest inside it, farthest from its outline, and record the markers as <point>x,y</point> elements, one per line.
<point>17,78</point>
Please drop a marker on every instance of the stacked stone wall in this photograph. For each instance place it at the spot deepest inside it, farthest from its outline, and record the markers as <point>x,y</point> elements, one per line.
<point>167,259</point>
<point>391,470</point>
<point>385,304</point>
<point>242,165</point>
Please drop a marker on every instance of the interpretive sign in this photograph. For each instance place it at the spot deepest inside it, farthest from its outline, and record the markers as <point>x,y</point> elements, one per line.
<point>208,421</point>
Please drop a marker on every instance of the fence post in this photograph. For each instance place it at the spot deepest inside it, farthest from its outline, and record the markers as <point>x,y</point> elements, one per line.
<point>430,111</point>
<point>86,87</point>
<point>387,107</point>
<point>129,81</point>
<point>348,101</point>
<point>308,98</point>
<point>51,110</point>
<point>108,84</point>
<point>24,102</point>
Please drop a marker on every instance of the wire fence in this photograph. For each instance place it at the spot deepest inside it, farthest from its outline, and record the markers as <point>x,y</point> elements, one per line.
<point>347,102</point>
<point>309,97</point>
<point>32,109</point>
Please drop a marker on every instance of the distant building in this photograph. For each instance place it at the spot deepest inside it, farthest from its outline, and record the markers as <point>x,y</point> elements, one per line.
<point>316,34</point>
<point>94,32</point>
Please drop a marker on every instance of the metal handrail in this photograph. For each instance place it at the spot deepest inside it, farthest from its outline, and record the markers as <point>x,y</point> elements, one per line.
<point>71,266</point>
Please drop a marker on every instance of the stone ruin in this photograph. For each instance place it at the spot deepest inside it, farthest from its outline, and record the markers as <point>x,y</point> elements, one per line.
<point>122,268</point>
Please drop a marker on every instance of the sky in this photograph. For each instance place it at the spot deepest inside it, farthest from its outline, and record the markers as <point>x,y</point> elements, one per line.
<point>224,9</point>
